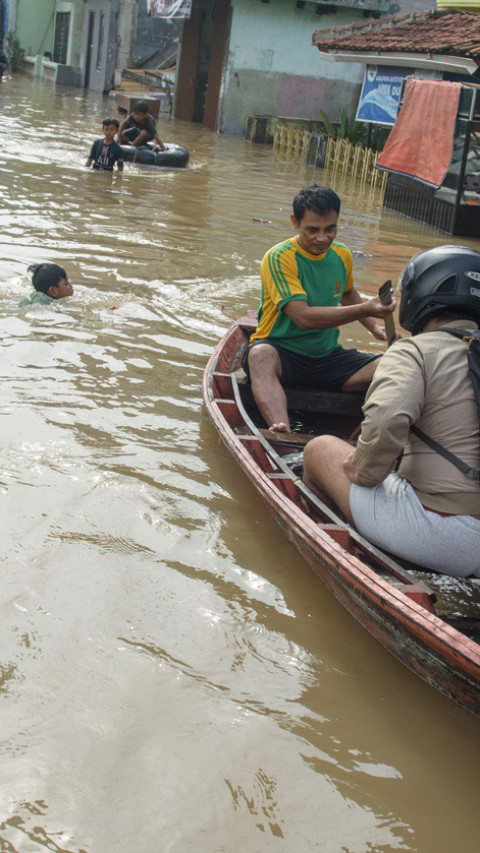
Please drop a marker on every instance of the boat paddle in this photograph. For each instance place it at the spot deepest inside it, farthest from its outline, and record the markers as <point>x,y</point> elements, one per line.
<point>385,294</point>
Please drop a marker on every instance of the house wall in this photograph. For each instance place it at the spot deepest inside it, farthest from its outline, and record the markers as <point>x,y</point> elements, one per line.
<point>408,7</point>
<point>99,56</point>
<point>126,27</point>
<point>77,12</point>
<point>3,19</point>
<point>33,24</point>
<point>272,67</point>
<point>463,5</point>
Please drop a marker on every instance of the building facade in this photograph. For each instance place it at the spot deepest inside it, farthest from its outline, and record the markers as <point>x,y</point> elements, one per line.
<point>254,57</point>
<point>49,28</point>
<point>105,34</point>
<point>82,42</point>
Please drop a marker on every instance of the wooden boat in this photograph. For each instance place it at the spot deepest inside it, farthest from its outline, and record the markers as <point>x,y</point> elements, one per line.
<point>174,156</point>
<point>429,622</point>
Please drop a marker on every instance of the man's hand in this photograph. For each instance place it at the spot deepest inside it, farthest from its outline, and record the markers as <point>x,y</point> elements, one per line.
<point>374,308</point>
<point>377,331</point>
<point>380,334</point>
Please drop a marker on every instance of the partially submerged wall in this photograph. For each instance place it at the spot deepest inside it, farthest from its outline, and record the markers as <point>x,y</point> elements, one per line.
<point>99,45</point>
<point>273,69</point>
<point>33,25</point>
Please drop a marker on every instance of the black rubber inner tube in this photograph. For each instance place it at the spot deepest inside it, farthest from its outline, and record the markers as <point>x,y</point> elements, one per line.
<point>176,156</point>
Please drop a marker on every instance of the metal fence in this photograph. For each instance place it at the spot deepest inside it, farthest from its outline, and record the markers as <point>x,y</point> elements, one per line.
<point>337,157</point>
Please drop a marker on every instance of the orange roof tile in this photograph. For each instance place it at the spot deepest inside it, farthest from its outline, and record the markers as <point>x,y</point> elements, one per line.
<point>436,31</point>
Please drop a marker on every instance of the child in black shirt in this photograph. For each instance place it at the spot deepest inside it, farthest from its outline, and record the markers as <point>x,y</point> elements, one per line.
<point>139,128</point>
<point>106,152</point>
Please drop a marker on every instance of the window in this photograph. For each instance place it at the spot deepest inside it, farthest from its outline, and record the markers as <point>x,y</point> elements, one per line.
<point>60,44</point>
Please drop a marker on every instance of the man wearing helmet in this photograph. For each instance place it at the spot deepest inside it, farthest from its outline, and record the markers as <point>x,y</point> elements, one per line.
<point>422,508</point>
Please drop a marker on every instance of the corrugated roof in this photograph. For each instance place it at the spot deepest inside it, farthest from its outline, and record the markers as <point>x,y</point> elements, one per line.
<point>448,32</point>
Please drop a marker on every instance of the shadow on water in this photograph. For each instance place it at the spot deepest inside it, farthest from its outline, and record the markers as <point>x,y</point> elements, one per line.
<point>173,676</point>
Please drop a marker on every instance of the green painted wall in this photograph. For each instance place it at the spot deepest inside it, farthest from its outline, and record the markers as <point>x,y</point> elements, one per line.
<point>276,36</point>
<point>34,20</point>
<point>77,9</point>
<point>34,24</point>
<point>273,68</point>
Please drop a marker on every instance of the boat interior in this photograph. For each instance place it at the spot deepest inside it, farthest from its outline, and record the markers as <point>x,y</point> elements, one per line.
<point>279,457</point>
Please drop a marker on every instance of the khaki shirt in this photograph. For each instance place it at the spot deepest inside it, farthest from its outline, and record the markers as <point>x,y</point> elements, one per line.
<point>423,380</point>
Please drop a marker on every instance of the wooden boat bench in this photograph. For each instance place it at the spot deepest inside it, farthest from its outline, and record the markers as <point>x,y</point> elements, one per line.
<point>304,400</point>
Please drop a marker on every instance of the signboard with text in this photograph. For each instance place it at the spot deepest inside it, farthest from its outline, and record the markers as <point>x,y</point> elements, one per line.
<point>381,94</point>
<point>169,8</point>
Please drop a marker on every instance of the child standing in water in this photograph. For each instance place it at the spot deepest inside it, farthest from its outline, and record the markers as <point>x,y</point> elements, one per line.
<point>106,152</point>
<point>50,282</point>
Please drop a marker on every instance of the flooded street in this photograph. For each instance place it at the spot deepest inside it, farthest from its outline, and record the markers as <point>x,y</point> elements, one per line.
<point>173,676</point>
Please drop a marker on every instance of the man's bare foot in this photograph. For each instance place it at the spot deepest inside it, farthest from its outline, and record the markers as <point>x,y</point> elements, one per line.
<point>280,427</point>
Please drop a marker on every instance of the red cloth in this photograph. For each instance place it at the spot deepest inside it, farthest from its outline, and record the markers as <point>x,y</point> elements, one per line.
<point>420,143</point>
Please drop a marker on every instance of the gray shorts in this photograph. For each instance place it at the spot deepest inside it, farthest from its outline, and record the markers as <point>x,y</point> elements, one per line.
<point>391,516</point>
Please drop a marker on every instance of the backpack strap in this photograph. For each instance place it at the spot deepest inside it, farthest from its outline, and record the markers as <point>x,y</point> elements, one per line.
<point>463,334</point>
<point>472,339</point>
<point>471,473</point>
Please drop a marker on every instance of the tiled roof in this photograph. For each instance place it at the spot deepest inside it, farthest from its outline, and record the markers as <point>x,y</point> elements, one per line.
<point>441,31</point>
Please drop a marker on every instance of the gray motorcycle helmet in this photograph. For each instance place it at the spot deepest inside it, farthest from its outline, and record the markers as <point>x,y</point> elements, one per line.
<point>447,277</point>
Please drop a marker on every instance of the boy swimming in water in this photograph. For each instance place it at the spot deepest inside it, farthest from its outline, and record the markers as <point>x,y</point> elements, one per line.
<point>50,282</point>
<point>106,152</point>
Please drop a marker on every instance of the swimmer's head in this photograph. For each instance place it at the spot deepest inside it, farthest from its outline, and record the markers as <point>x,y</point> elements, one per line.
<point>51,279</point>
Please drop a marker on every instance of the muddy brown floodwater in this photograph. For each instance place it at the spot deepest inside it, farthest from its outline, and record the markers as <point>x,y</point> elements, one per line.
<point>173,676</point>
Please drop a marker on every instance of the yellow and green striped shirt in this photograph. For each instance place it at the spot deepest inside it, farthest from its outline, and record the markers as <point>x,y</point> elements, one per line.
<point>287,273</point>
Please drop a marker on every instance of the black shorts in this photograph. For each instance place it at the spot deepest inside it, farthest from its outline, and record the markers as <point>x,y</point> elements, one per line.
<point>132,132</point>
<point>325,373</point>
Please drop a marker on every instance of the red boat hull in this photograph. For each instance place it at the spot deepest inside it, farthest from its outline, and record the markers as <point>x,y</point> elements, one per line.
<point>439,653</point>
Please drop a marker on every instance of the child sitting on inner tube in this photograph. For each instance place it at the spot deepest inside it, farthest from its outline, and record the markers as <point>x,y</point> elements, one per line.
<point>139,128</point>
<point>50,282</point>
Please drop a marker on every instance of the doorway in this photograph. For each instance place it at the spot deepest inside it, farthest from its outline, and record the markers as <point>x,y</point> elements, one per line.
<point>204,44</point>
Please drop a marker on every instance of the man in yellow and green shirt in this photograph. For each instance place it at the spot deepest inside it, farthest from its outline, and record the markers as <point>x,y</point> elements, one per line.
<point>307,292</point>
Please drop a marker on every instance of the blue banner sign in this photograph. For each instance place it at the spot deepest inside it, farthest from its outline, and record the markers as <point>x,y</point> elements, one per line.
<point>381,94</point>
